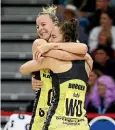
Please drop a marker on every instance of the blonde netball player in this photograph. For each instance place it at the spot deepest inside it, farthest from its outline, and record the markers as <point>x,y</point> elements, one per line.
<point>69,80</point>
<point>45,24</point>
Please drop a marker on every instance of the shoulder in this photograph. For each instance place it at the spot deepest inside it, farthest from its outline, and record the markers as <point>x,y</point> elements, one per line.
<point>39,42</point>
<point>48,62</point>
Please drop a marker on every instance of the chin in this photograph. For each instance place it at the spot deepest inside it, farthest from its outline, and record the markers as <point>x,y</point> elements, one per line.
<point>46,38</point>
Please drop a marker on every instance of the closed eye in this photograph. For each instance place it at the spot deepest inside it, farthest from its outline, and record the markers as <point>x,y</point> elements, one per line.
<point>53,36</point>
<point>43,24</point>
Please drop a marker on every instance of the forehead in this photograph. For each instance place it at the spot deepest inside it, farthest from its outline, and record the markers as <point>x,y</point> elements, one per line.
<point>56,30</point>
<point>43,18</point>
<point>101,51</point>
<point>101,85</point>
<point>104,15</point>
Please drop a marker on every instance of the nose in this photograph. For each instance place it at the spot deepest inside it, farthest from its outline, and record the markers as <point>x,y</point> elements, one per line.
<point>50,40</point>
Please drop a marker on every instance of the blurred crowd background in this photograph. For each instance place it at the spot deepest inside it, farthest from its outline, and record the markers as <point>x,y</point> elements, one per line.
<point>96,29</point>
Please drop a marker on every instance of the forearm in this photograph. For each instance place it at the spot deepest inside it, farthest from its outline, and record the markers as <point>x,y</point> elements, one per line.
<point>36,44</point>
<point>63,55</point>
<point>76,48</point>
<point>66,56</point>
<point>29,67</point>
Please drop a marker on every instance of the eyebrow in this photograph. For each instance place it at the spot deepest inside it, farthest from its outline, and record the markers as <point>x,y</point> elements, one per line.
<point>43,22</point>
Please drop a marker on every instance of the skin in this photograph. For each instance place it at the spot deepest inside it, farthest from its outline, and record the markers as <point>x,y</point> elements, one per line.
<point>45,25</point>
<point>105,21</point>
<point>44,29</point>
<point>102,4</point>
<point>101,90</point>
<point>92,78</point>
<point>53,64</point>
<point>57,36</point>
<point>102,38</point>
<point>101,57</point>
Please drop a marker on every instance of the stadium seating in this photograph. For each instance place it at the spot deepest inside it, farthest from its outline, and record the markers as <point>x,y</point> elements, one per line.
<point>18,31</point>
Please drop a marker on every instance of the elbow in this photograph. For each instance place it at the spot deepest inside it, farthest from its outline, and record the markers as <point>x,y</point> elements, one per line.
<point>37,43</point>
<point>85,49</point>
<point>22,71</point>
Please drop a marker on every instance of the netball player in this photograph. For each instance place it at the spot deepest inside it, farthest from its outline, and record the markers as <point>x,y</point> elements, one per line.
<point>69,81</point>
<point>45,24</point>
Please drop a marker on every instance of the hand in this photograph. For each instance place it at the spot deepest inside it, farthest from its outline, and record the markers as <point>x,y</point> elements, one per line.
<point>41,50</point>
<point>89,60</point>
<point>40,59</point>
<point>36,84</point>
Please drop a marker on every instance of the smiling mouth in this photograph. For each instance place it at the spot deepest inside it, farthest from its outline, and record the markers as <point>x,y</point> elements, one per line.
<point>43,33</point>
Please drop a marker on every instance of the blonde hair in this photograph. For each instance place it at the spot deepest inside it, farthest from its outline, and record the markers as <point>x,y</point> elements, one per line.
<point>51,11</point>
<point>107,34</point>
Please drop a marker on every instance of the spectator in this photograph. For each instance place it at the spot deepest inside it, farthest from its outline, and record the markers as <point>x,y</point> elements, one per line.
<point>72,12</point>
<point>105,38</point>
<point>104,61</point>
<point>94,75</point>
<point>102,98</point>
<point>101,6</point>
<point>106,22</point>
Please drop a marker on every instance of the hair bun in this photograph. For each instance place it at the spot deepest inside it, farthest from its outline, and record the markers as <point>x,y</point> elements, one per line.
<point>74,21</point>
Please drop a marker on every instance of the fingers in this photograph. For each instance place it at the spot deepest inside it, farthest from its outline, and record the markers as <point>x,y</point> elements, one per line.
<point>36,84</point>
<point>36,54</point>
<point>39,55</point>
<point>40,60</point>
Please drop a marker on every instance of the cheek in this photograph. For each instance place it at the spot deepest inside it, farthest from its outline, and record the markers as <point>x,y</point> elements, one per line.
<point>49,29</point>
<point>96,57</point>
<point>38,32</point>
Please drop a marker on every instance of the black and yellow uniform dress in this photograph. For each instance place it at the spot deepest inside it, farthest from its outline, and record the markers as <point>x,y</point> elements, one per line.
<point>67,107</point>
<point>42,100</point>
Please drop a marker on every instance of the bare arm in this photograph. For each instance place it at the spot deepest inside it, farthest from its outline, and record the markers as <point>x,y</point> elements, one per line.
<point>59,54</point>
<point>33,65</point>
<point>36,43</point>
<point>66,56</point>
<point>63,55</point>
<point>77,48</point>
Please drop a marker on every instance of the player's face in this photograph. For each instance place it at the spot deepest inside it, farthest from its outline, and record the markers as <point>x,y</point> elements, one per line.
<point>56,35</point>
<point>45,26</point>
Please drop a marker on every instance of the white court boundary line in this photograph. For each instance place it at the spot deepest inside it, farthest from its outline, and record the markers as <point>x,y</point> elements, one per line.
<point>101,118</point>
